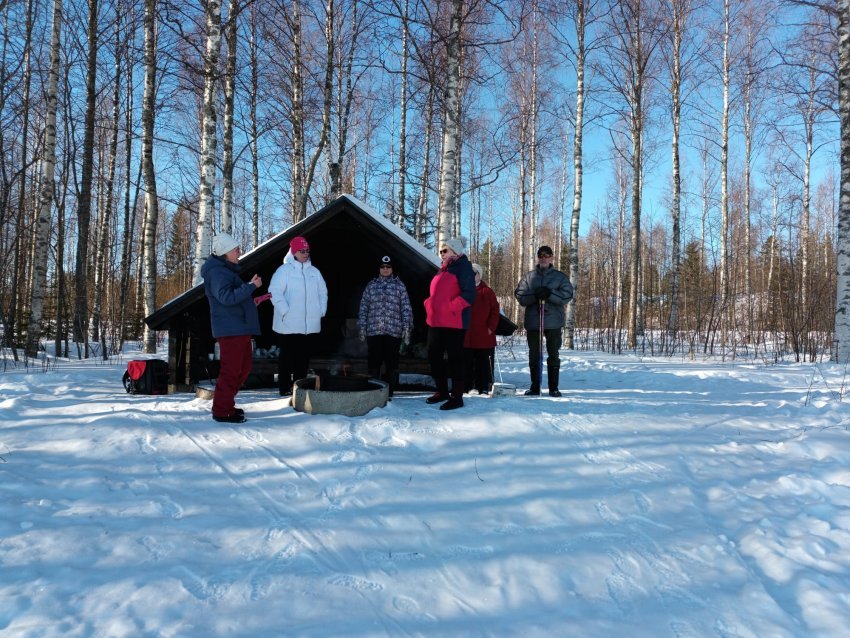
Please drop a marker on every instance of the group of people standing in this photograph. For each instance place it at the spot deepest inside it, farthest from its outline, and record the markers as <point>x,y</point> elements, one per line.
<point>462,314</point>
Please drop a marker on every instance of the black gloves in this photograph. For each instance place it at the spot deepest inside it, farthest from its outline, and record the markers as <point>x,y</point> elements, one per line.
<point>542,293</point>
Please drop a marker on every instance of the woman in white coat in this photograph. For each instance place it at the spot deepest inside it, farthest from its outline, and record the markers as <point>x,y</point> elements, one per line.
<point>300,299</point>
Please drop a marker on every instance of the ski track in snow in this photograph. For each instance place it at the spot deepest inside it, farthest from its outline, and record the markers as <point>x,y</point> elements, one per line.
<point>635,557</point>
<point>310,507</point>
<point>302,543</point>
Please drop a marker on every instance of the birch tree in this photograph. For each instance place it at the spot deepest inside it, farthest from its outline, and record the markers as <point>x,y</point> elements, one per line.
<point>580,19</point>
<point>230,36</point>
<point>635,33</point>
<point>129,209</point>
<point>680,12</point>
<point>451,99</point>
<point>724,182</point>
<point>582,14</point>
<point>81,318</point>
<point>752,71</point>
<point>255,134</point>
<point>303,171</point>
<point>103,234</point>
<point>842,305</point>
<point>14,313</point>
<point>45,200</point>
<point>206,202</point>
<point>148,278</point>
<point>402,134</point>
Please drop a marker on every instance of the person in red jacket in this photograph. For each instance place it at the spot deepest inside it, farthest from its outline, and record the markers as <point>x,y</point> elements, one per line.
<point>479,345</point>
<point>447,313</point>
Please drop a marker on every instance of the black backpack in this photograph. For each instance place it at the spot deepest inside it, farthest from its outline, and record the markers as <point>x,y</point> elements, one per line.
<point>146,376</point>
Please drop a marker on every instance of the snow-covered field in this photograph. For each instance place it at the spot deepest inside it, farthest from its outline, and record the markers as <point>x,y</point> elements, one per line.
<point>657,497</point>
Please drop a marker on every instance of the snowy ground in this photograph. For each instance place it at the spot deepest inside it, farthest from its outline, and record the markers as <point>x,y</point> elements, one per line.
<point>656,498</point>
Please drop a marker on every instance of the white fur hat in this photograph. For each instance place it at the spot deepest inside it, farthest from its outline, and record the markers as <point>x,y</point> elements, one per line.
<point>223,244</point>
<point>457,244</point>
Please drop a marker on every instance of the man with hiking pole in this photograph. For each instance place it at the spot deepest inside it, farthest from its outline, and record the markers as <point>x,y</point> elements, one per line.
<point>544,292</point>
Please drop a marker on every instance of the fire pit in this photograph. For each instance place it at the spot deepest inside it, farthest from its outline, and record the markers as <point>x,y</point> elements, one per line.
<point>346,395</point>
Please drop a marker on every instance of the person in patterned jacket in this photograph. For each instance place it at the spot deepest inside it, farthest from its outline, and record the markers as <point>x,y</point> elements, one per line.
<point>385,321</point>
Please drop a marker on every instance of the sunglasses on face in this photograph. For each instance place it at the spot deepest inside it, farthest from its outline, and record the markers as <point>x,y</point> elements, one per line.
<point>443,250</point>
<point>306,251</point>
<point>544,256</point>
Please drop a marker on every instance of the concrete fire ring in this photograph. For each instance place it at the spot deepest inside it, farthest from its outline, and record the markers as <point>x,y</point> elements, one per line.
<point>305,398</point>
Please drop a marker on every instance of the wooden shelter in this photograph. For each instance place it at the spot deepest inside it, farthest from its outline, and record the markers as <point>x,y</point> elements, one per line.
<point>347,240</point>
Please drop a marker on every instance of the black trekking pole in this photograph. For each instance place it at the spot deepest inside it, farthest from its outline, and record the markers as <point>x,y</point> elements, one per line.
<point>540,363</point>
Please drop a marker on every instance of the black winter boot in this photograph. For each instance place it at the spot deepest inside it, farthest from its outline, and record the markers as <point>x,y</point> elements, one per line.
<point>456,399</point>
<point>392,380</point>
<point>553,372</point>
<point>533,391</point>
<point>452,404</point>
<point>442,392</point>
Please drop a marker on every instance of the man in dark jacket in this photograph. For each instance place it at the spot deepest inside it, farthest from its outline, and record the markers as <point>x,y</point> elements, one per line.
<point>544,292</point>
<point>234,319</point>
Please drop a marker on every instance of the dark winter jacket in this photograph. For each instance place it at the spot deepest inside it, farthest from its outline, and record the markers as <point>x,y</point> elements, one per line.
<point>483,320</point>
<point>232,309</point>
<point>554,315</point>
<point>452,294</point>
<point>385,308</point>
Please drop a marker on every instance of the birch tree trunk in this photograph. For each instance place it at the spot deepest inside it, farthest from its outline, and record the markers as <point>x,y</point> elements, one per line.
<point>809,116</point>
<point>299,203</point>
<point>230,37</point>
<point>255,151</point>
<point>209,142</point>
<point>842,304</point>
<point>106,223</point>
<point>45,200</point>
<point>773,238</point>
<point>532,239</point>
<point>679,8</point>
<point>724,187</point>
<point>330,38</point>
<point>81,319</point>
<point>345,111</point>
<point>578,167</point>
<point>402,136</point>
<point>748,163</point>
<point>524,253</point>
<point>448,163</point>
<point>129,212</point>
<point>422,207</point>
<point>148,278</point>
<point>14,314</point>
<point>634,262</point>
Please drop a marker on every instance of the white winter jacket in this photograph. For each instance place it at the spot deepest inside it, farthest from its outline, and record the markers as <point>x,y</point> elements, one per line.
<point>300,297</point>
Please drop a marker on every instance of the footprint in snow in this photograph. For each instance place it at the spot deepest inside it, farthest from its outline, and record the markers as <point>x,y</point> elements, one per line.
<point>406,605</point>
<point>291,491</point>
<point>193,583</point>
<point>170,508</point>
<point>642,501</point>
<point>145,446</point>
<point>355,582</point>
<point>158,549</point>
<point>213,438</point>
<point>260,586</point>
<point>606,513</point>
<point>343,457</point>
<point>163,465</point>
<point>254,435</point>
